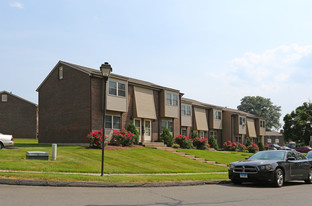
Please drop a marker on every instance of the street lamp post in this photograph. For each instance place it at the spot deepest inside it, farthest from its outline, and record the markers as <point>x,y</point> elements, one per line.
<point>106,69</point>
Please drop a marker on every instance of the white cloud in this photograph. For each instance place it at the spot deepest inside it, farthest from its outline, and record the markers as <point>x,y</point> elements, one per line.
<point>17,5</point>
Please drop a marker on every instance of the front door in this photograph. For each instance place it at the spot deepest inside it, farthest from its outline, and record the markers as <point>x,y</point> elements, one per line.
<point>147,130</point>
<point>137,124</point>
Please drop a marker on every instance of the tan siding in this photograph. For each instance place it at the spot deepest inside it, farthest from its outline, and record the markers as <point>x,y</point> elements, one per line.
<point>171,110</point>
<point>251,127</point>
<point>116,103</point>
<point>144,103</point>
<point>186,121</point>
<point>201,119</point>
<point>242,129</point>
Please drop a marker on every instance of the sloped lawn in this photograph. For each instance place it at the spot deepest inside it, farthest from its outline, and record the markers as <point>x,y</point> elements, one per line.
<point>81,159</point>
<point>219,157</point>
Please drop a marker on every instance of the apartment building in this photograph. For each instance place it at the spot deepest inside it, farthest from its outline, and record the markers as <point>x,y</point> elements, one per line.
<point>18,116</point>
<point>238,125</point>
<point>71,105</point>
<point>205,119</point>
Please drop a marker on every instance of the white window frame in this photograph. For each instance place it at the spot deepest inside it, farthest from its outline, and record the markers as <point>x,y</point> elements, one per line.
<point>214,134</point>
<point>186,111</point>
<point>238,139</point>
<point>184,131</point>
<point>262,123</point>
<point>201,134</point>
<point>269,140</point>
<point>242,120</point>
<point>166,121</point>
<point>277,141</point>
<point>112,122</point>
<point>218,114</point>
<point>170,99</point>
<point>4,98</point>
<point>118,90</point>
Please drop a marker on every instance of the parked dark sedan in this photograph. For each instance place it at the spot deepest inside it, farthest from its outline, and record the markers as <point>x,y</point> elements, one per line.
<point>274,166</point>
<point>304,149</point>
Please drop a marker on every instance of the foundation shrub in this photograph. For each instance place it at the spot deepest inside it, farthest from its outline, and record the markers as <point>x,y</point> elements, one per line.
<point>95,139</point>
<point>123,138</point>
<point>184,142</point>
<point>166,137</point>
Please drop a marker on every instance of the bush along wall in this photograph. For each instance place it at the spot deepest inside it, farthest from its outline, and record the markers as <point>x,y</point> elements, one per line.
<point>166,137</point>
<point>95,139</point>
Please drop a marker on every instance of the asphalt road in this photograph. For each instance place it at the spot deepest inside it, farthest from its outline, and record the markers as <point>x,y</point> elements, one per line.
<point>295,193</point>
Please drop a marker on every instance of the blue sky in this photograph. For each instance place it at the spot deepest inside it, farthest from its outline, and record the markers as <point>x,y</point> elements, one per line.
<point>213,51</point>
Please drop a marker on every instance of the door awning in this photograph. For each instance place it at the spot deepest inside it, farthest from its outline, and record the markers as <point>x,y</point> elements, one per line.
<point>200,119</point>
<point>251,128</point>
<point>144,103</point>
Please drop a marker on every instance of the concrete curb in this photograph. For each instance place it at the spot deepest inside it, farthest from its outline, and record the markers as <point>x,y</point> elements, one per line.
<point>106,184</point>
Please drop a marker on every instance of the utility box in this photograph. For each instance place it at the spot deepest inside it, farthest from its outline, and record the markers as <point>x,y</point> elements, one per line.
<point>37,155</point>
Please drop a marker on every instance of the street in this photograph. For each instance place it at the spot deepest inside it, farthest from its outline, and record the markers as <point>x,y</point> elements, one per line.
<point>294,193</point>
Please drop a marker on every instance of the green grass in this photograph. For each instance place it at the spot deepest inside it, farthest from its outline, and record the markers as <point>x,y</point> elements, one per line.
<point>219,157</point>
<point>80,159</point>
<point>114,178</point>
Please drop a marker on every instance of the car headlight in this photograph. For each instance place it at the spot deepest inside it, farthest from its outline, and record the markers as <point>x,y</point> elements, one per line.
<point>231,166</point>
<point>267,167</point>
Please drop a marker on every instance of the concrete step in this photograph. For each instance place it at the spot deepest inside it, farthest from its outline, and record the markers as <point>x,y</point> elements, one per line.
<point>180,153</point>
<point>223,165</point>
<point>211,162</point>
<point>190,156</point>
<point>200,159</point>
<point>153,144</point>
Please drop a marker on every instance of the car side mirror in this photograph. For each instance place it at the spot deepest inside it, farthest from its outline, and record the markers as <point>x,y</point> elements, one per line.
<point>246,158</point>
<point>291,158</point>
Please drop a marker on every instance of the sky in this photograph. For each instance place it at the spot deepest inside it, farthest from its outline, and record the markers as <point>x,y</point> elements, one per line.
<point>213,51</point>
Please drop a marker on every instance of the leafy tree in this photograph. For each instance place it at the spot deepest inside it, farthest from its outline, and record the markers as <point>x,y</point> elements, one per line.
<point>131,127</point>
<point>262,107</point>
<point>248,142</point>
<point>166,137</point>
<point>297,124</point>
<point>261,146</point>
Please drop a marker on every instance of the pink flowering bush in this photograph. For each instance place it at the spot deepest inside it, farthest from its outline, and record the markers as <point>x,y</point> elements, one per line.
<point>184,141</point>
<point>234,146</point>
<point>95,139</point>
<point>200,143</point>
<point>123,138</point>
<point>253,148</point>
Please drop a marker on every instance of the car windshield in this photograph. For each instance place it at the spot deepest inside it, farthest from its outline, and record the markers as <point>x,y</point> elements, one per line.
<point>268,155</point>
<point>309,155</point>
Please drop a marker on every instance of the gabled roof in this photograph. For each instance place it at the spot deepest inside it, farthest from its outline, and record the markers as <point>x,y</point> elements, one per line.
<point>10,93</point>
<point>97,73</point>
<point>240,112</point>
<point>200,104</point>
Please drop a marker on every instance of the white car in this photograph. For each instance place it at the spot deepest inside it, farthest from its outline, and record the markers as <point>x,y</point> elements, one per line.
<point>6,140</point>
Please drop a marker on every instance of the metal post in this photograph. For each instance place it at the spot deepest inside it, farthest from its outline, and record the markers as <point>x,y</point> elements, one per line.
<point>104,114</point>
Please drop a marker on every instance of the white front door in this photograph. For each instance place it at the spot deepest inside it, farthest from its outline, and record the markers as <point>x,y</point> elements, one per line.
<point>137,124</point>
<point>148,130</point>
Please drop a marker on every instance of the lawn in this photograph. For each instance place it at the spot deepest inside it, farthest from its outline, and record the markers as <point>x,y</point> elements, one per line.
<point>84,160</point>
<point>219,157</point>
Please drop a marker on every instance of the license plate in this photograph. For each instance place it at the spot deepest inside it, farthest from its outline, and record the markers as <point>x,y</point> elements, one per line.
<point>243,175</point>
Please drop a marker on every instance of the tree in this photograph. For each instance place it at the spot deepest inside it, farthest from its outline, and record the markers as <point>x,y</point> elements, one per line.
<point>166,137</point>
<point>262,107</point>
<point>297,124</point>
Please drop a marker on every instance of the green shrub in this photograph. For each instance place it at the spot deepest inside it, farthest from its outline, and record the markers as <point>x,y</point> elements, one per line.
<point>184,142</point>
<point>261,147</point>
<point>177,146</point>
<point>131,127</point>
<point>194,135</point>
<point>166,137</point>
<point>213,143</point>
<point>248,142</point>
<point>95,139</point>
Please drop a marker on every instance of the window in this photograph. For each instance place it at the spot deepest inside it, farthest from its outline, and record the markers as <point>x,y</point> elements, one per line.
<point>185,110</point>
<point>184,131</point>
<point>172,99</point>
<point>168,124</point>
<point>117,89</point>
<point>201,134</point>
<point>4,97</point>
<point>262,123</point>
<point>217,114</point>
<point>276,141</point>
<point>255,140</point>
<point>238,139</point>
<point>242,121</point>
<point>269,140</point>
<point>112,122</point>
<point>137,124</point>
<point>61,73</point>
<point>213,134</point>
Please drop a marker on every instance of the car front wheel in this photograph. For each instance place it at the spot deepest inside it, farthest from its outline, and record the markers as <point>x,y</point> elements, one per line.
<point>309,180</point>
<point>279,177</point>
